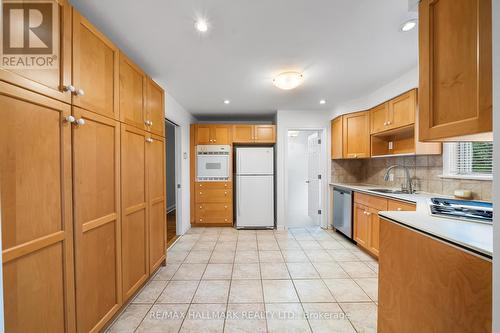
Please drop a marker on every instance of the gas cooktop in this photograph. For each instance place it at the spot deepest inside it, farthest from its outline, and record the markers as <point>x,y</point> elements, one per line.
<point>476,211</point>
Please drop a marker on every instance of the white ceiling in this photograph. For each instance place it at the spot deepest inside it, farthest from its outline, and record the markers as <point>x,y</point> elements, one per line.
<point>345,48</point>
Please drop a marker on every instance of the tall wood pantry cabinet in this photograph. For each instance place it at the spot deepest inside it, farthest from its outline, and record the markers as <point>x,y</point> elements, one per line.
<point>82,184</point>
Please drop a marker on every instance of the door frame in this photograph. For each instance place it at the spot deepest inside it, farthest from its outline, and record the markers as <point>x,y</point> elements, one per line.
<point>322,134</point>
<point>178,174</point>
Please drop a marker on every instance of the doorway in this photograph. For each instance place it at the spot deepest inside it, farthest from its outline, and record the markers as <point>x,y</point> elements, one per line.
<point>172,150</point>
<point>304,189</point>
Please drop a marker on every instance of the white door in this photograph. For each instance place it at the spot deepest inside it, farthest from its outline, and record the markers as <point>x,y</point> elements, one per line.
<point>313,175</point>
<point>254,201</point>
<point>255,161</point>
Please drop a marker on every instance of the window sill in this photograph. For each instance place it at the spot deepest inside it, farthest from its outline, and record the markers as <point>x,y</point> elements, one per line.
<point>468,177</point>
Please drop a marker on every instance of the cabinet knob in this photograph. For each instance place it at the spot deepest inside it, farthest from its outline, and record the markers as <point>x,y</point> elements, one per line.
<point>149,123</point>
<point>399,209</point>
<point>388,123</point>
<point>355,155</point>
<point>150,140</point>
<point>225,207</point>
<point>80,122</point>
<point>201,207</point>
<point>79,92</point>
<point>201,193</point>
<point>225,193</point>
<point>225,220</point>
<point>70,119</point>
<point>201,220</point>
<point>69,88</point>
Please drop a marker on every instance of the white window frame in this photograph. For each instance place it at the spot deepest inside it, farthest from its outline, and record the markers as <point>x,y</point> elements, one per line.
<point>449,159</point>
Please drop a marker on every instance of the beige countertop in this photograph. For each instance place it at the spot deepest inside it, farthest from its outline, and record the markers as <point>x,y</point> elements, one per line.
<point>473,236</point>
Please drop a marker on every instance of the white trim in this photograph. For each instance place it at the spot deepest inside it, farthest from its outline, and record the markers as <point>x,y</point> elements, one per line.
<point>470,177</point>
<point>449,161</point>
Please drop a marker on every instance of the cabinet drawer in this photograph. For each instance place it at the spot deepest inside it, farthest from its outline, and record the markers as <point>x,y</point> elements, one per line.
<point>214,220</point>
<point>213,195</point>
<point>371,201</point>
<point>400,205</point>
<point>213,210</point>
<point>212,185</point>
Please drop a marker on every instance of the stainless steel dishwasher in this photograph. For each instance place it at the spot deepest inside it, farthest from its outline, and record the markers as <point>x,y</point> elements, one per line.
<point>342,210</point>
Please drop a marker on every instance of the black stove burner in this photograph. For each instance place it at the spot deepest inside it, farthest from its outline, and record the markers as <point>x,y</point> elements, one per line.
<point>463,209</point>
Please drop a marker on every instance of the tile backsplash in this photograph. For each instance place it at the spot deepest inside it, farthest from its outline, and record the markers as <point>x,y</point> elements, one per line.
<point>424,170</point>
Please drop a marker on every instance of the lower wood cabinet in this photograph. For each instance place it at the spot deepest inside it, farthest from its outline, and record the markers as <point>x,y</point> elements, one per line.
<point>96,197</point>
<point>36,208</point>
<point>426,285</point>
<point>213,203</point>
<point>135,253</point>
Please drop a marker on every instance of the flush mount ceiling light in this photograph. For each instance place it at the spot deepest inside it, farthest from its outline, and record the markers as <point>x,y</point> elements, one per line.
<point>226,101</point>
<point>322,101</point>
<point>409,25</point>
<point>201,25</point>
<point>288,80</point>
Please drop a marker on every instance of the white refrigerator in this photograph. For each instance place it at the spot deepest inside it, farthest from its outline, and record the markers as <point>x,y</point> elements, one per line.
<point>254,187</point>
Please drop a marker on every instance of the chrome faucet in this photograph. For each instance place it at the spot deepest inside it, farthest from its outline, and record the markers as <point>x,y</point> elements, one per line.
<point>409,185</point>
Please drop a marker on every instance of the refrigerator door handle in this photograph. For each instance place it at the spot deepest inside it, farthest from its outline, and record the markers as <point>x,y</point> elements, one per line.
<point>238,190</point>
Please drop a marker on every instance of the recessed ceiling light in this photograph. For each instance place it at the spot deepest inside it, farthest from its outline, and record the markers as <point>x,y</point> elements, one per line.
<point>288,80</point>
<point>409,25</point>
<point>201,25</point>
<point>322,101</point>
<point>226,101</point>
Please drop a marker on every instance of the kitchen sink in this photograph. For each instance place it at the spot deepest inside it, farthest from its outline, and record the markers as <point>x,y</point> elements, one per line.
<point>388,191</point>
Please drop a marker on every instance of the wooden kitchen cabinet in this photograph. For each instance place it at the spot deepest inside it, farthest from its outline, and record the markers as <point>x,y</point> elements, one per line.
<point>132,93</point>
<point>46,81</point>
<point>379,117</point>
<point>96,197</point>
<point>400,206</point>
<point>374,231</point>
<point>243,133</point>
<point>95,69</point>
<point>402,110</point>
<point>264,133</point>
<point>135,246</point>
<point>213,203</point>
<point>356,135</point>
<point>428,285</point>
<point>36,208</point>
<point>455,89</point>
<point>361,225</point>
<point>155,106</point>
<point>337,137</point>
<point>213,134</point>
<point>155,151</point>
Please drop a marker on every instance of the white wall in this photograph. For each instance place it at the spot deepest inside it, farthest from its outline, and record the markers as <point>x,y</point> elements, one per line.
<point>405,82</point>
<point>177,114</point>
<point>496,164</point>
<point>293,120</point>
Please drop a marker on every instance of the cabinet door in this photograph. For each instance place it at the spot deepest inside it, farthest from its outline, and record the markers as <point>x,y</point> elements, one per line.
<point>379,118</point>
<point>203,134</point>
<point>95,69</point>
<point>96,197</point>
<point>155,108</point>
<point>132,93</point>
<point>402,110</point>
<point>155,149</point>
<point>265,133</point>
<point>356,135</point>
<point>135,248</point>
<point>361,225</point>
<point>455,90</point>
<point>374,226</point>
<point>214,213</point>
<point>243,133</point>
<point>337,138</point>
<point>221,135</point>
<point>49,81</point>
<point>36,208</point>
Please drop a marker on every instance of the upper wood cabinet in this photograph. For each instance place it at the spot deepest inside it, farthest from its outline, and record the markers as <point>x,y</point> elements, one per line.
<point>36,208</point>
<point>96,198</point>
<point>155,108</point>
<point>155,154</point>
<point>398,112</point>
<point>50,82</point>
<point>244,133</point>
<point>455,62</point>
<point>95,69</point>
<point>134,192</point>
<point>337,138</point>
<point>132,93</point>
<point>356,135</point>
<point>213,134</point>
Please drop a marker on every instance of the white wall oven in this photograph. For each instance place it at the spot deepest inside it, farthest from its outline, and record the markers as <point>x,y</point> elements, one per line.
<point>213,163</point>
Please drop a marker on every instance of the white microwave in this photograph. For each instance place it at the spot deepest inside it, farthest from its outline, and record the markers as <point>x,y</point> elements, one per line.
<point>213,162</point>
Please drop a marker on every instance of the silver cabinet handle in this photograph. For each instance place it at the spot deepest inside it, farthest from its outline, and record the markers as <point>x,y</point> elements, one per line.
<point>388,123</point>
<point>399,209</point>
<point>149,122</point>
<point>80,122</point>
<point>149,140</point>
<point>79,92</point>
<point>146,122</point>
<point>70,119</point>
<point>69,88</point>
<point>201,207</point>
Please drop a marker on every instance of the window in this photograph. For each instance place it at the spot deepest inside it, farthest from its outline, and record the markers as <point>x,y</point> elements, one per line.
<point>472,160</point>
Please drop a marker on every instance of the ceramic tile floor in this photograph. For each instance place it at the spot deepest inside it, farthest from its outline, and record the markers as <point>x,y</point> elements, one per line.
<point>225,280</point>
